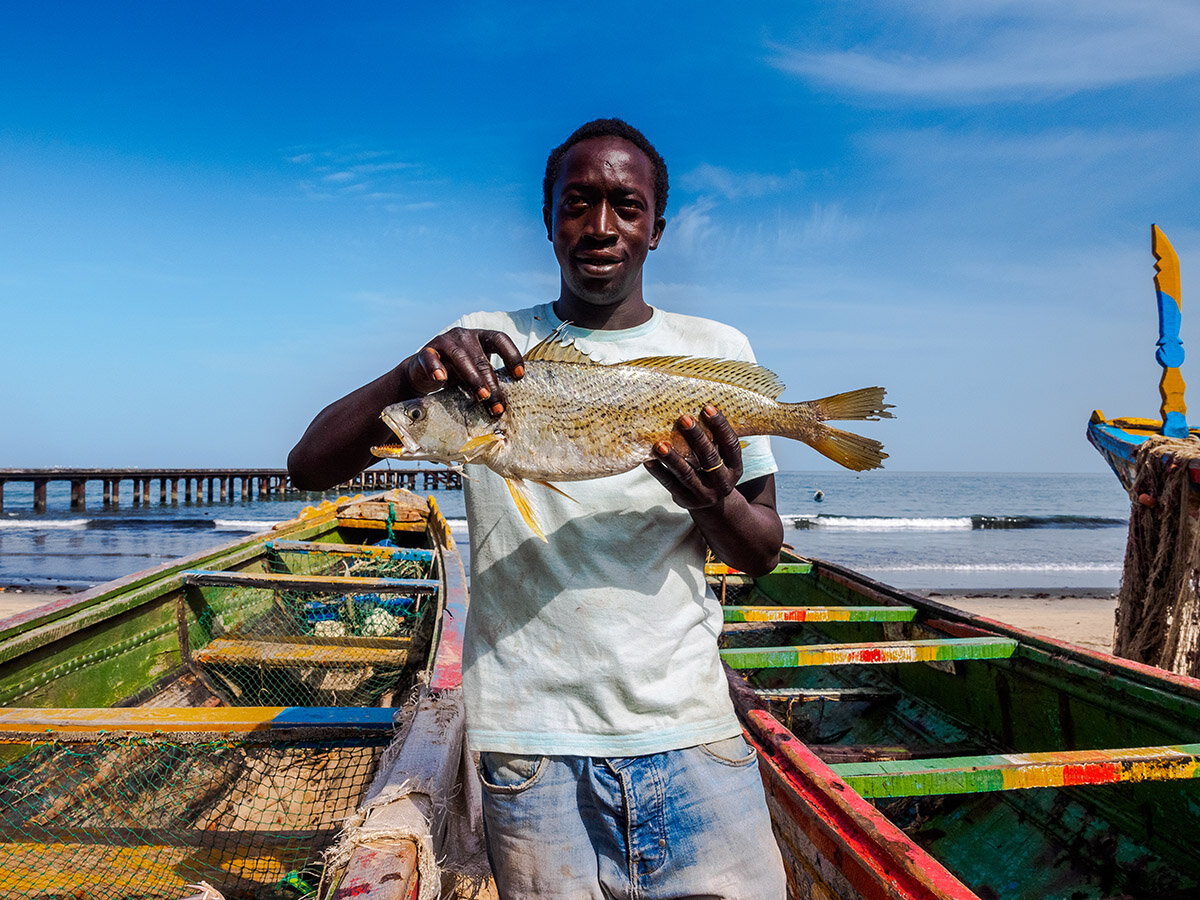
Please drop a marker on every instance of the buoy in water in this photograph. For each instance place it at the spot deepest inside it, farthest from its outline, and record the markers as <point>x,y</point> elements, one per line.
<point>818,495</point>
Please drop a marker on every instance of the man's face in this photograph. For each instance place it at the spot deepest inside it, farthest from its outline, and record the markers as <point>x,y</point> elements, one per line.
<point>602,221</point>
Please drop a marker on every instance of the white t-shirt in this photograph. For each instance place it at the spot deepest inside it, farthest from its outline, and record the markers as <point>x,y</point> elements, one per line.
<point>603,641</point>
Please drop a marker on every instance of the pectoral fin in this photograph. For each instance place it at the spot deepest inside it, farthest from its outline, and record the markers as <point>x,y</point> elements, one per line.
<point>520,495</point>
<point>481,446</point>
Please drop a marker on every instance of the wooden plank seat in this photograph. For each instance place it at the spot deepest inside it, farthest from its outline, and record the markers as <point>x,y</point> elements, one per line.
<point>356,551</point>
<point>301,651</point>
<point>21,723</point>
<point>326,584</point>
<point>789,568</point>
<point>940,650</point>
<point>818,613</point>
<point>1013,771</point>
<point>808,695</point>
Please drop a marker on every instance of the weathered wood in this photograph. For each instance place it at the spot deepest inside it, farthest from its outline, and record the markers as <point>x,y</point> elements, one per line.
<point>789,568</point>
<point>869,653</point>
<point>365,551</point>
<point>330,584</point>
<point>21,723</point>
<point>805,695</point>
<point>317,654</point>
<point>819,613</point>
<point>1013,771</point>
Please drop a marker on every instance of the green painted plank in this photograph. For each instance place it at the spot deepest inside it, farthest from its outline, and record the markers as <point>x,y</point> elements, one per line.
<point>819,613</point>
<point>414,554</point>
<point>1018,771</point>
<point>870,653</point>
<point>792,568</point>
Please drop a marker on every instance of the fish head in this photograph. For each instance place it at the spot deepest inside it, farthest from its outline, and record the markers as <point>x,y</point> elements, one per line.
<point>436,427</point>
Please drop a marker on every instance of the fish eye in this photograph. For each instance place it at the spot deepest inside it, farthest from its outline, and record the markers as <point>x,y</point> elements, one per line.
<point>417,414</point>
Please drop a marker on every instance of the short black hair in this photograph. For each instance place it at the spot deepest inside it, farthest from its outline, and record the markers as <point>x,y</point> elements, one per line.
<point>608,128</point>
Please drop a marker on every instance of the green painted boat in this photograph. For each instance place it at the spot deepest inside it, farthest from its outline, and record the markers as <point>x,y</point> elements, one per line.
<point>244,721</point>
<point>911,750</point>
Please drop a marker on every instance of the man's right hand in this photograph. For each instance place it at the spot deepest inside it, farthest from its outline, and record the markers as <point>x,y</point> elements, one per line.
<point>463,356</point>
<point>337,444</point>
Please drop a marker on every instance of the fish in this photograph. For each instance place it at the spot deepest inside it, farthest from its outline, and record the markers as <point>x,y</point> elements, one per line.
<point>571,418</point>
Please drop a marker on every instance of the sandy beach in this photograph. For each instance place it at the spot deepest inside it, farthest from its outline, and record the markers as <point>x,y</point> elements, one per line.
<point>1083,617</point>
<point>15,600</point>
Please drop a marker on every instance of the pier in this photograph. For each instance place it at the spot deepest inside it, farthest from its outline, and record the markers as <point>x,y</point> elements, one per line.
<point>210,484</point>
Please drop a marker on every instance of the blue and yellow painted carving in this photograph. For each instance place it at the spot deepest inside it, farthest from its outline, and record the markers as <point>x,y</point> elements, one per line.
<point>1170,346</point>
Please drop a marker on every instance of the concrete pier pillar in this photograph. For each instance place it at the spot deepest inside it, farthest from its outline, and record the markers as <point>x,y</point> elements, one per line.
<point>245,487</point>
<point>39,495</point>
<point>116,492</point>
<point>107,491</point>
<point>210,488</point>
<point>225,488</point>
<point>78,493</point>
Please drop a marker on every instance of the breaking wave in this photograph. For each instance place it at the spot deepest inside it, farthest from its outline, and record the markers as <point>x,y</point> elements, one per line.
<point>951,523</point>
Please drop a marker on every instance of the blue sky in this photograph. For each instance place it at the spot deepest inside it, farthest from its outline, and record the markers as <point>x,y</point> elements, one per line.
<point>217,217</point>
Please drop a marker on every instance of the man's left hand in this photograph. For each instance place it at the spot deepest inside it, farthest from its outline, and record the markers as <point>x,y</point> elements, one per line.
<point>710,472</point>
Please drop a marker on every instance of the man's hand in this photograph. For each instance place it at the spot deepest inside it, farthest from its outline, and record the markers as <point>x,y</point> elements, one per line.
<point>711,470</point>
<point>739,522</point>
<point>463,356</point>
<point>337,444</point>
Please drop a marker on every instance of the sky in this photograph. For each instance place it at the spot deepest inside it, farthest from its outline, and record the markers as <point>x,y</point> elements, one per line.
<point>216,218</point>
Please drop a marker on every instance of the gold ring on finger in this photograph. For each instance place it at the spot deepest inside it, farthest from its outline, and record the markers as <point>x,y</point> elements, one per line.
<point>719,464</point>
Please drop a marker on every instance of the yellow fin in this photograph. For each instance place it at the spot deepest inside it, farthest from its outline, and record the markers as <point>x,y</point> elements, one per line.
<point>481,445</point>
<point>557,490</point>
<point>850,450</point>
<point>520,495</point>
<point>863,404</point>
<point>738,373</point>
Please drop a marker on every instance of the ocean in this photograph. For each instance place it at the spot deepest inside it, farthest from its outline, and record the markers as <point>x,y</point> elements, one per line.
<point>915,530</point>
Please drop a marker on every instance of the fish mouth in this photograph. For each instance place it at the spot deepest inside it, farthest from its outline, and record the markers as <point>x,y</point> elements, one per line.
<point>408,447</point>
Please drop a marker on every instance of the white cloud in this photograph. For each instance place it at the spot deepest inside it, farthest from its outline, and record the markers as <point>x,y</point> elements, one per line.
<point>978,51</point>
<point>367,174</point>
<point>731,185</point>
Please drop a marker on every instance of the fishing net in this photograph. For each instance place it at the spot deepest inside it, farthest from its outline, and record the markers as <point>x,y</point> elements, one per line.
<point>301,645</point>
<point>146,817</point>
<point>1158,608</point>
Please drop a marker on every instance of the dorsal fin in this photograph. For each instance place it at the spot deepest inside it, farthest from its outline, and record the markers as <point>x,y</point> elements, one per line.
<point>739,373</point>
<point>552,349</point>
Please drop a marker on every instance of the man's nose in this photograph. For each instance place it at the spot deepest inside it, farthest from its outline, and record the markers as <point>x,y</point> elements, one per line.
<point>602,221</point>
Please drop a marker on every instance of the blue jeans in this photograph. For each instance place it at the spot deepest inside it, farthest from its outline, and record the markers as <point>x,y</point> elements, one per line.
<point>684,823</point>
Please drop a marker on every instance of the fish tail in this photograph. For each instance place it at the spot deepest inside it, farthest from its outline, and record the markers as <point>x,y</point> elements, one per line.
<point>847,449</point>
<point>850,450</point>
<point>865,403</point>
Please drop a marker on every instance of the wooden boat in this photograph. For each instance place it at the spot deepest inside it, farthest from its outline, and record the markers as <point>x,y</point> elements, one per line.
<point>215,719</point>
<point>910,750</point>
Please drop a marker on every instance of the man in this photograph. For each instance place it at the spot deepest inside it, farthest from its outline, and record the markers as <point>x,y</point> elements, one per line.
<point>611,759</point>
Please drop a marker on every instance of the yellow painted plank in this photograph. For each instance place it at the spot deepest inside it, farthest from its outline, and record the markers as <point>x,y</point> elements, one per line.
<point>225,651</point>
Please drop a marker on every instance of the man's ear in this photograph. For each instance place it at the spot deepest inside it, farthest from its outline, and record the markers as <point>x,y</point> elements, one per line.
<point>548,218</point>
<point>660,225</point>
